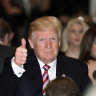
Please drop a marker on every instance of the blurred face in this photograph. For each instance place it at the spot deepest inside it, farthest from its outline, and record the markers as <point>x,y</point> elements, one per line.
<point>75,34</point>
<point>45,45</point>
<point>94,49</point>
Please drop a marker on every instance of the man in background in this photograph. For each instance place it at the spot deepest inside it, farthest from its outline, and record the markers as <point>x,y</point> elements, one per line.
<point>6,36</point>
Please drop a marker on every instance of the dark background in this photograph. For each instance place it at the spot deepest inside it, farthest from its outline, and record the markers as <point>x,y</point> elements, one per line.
<point>70,7</point>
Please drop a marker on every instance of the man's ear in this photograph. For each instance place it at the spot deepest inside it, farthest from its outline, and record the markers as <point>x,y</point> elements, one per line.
<point>5,41</point>
<point>31,43</point>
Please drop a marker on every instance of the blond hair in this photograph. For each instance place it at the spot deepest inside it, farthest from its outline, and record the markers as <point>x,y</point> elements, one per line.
<point>46,23</point>
<point>65,43</point>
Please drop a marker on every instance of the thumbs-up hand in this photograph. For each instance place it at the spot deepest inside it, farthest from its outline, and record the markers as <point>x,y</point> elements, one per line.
<point>23,43</point>
<point>21,53</point>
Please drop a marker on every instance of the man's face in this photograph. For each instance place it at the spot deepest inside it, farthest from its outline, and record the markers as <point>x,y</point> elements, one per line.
<point>45,45</point>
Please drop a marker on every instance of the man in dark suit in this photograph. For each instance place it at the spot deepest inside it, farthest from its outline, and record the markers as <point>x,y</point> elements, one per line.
<point>5,50</point>
<point>23,77</point>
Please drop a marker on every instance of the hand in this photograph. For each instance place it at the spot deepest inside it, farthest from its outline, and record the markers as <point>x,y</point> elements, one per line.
<point>21,53</point>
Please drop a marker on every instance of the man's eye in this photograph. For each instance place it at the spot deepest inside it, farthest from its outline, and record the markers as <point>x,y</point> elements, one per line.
<point>53,38</point>
<point>42,40</point>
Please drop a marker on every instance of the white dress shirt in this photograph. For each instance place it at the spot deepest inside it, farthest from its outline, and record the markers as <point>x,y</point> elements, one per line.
<point>18,71</point>
<point>51,71</point>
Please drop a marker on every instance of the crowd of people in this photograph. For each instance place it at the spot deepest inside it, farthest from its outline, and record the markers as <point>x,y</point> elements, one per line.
<point>53,57</point>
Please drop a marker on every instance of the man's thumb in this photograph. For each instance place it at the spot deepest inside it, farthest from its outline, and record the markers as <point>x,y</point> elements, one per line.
<point>23,42</point>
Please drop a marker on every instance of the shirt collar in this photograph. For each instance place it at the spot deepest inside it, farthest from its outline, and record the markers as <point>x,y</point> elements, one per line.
<point>52,64</point>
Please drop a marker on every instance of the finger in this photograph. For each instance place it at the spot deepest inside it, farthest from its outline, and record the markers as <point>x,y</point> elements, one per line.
<point>20,62</point>
<point>22,59</point>
<point>23,43</point>
<point>19,55</point>
<point>21,50</point>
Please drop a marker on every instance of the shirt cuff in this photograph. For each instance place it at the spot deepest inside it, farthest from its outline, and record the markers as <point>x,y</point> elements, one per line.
<point>18,70</point>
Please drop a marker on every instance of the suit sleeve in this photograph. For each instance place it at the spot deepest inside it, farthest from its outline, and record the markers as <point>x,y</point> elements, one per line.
<point>8,80</point>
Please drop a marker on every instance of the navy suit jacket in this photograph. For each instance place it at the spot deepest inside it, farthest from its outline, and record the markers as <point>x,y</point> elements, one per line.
<point>31,83</point>
<point>5,51</point>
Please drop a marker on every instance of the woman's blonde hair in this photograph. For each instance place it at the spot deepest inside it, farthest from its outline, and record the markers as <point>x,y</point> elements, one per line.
<point>65,43</point>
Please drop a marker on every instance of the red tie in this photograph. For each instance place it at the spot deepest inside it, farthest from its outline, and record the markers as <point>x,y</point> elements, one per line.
<point>45,78</point>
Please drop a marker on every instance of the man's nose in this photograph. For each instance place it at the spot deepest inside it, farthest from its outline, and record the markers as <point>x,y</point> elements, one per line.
<point>49,44</point>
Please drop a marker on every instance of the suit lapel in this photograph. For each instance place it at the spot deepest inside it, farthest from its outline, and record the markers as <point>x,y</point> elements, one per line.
<point>33,67</point>
<point>61,67</point>
<point>58,67</point>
